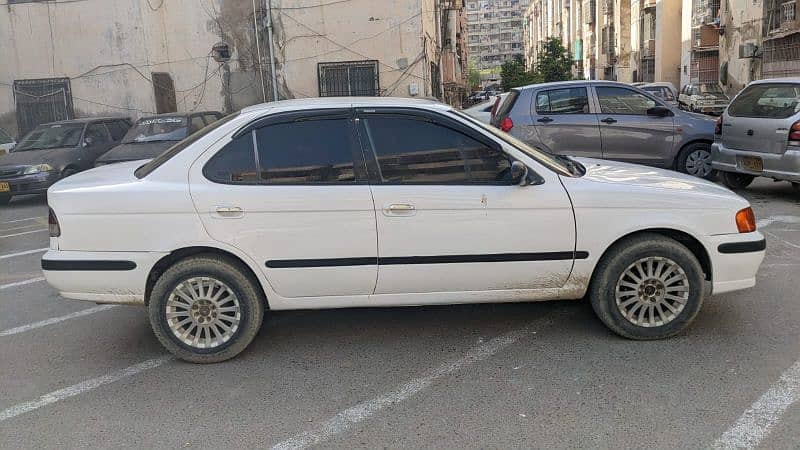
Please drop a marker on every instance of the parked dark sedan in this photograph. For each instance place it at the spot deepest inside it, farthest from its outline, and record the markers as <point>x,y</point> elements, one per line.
<point>57,150</point>
<point>150,136</point>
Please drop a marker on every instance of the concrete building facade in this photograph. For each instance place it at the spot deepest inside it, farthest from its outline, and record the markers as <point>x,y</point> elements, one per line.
<point>139,57</point>
<point>495,31</point>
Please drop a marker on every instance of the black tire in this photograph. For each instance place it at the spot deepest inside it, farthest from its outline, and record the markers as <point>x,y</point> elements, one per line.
<point>231,273</point>
<point>737,180</point>
<point>5,199</point>
<point>796,187</point>
<point>683,158</point>
<point>610,270</point>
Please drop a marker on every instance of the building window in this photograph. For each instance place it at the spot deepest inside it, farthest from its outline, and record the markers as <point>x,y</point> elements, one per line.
<point>347,79</point>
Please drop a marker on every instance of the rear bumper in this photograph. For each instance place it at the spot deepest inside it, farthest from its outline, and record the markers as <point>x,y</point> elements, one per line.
<point>780,166</point>
<point>735,259</point>
<point>31,184</point>
<point>100,277</point>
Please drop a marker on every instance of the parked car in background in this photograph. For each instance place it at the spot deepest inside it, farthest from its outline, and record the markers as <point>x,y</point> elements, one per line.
<point>706,98</point>
<point>282,207</point>
<point>609,120</point>
<point>57,150</point>
<point>6,142</point>
<point>759,134</point>
<point>485,111</point>
<point>664,90</point>
<point>150,136</point>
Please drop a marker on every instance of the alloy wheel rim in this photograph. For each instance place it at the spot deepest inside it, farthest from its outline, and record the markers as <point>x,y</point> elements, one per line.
<point>699,163</point>
<point>652,292</point>
<point>203,312</point>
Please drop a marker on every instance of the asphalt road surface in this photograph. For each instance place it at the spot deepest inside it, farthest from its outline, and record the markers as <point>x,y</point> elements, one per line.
<point>545,375</point>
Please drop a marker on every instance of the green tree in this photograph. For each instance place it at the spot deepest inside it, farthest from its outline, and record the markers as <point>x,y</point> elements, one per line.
<point>513,74</point>
<point>554,62</point>
<point>474,77</point>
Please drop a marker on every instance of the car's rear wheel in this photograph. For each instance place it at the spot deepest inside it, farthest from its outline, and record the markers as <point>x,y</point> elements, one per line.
<point>5,199</point>
<point>737,180</point>
<point>648,287</point>
<point>695,160</point>
<point>206,309</point>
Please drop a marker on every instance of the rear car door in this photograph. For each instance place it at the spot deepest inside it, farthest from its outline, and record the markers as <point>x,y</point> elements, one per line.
<point>291,192</point>
<point>564,123</point>
<point>628,133</point>
<point>449,219</point>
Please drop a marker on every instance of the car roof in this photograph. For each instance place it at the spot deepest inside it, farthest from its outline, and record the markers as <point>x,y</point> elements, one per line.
<point>346,102</point>
<point>778,80</point>
<point>178,114</point>
<point>658,84</point>
<point>574,83</point>
<point>85,120</point>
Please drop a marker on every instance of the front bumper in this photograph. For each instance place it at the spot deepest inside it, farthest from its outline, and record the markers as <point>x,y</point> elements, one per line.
<point>735,259</point>
<point>780,166</point>
<point>100,277</point>
<point>36,183</point>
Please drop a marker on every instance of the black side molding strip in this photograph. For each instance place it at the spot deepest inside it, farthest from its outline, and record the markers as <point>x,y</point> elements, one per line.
<point>89,265</point>
<point>743,247</point>
<point>438,259</point>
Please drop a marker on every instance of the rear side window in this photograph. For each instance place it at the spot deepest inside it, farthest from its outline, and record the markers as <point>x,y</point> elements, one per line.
<point>505,108</point>
<point>196,124</point>
<point>235,163</point>
<point>768,101</point>
<point>307,152</point>
<point>563,101</point>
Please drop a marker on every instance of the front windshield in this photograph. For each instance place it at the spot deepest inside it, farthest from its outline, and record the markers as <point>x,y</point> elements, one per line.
<point>154,129</point>
<point>558,164</point>
<point>710,88</point>
<point>51,136</point>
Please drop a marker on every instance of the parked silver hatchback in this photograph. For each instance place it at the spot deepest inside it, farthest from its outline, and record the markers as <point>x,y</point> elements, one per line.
<point>608,120</point>
<point>759,134</point>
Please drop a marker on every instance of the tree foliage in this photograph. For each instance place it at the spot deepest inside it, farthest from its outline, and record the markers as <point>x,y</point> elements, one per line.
<point>513,74</point>
<point>554,63</point>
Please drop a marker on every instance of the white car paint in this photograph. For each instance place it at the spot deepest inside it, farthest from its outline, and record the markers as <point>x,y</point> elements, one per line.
<point>107,213</point>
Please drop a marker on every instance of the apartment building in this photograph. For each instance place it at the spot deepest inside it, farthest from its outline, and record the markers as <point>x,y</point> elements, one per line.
<point>495,31</point>
<point>62,60</point>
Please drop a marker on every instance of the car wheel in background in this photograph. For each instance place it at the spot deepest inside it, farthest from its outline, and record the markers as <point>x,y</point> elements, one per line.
<point>206,309</point>
<point>695,159</point>
<point>4,199</point>
<point>736,180</point>
<point>648,287</point>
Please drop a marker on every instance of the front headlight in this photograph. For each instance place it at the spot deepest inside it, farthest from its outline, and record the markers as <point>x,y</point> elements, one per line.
<point>30,170</point>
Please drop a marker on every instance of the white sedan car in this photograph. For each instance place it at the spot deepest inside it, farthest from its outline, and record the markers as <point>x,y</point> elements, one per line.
<point>367,202</point>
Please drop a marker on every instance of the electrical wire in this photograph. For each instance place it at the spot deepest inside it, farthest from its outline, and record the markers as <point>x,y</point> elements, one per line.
<point>321,5</point>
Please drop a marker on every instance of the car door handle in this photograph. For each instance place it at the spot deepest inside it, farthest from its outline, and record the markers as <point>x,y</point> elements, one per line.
<point>609,120</point>
<point>544,120</point>
<point>229,211</point>
<point>399,209</point>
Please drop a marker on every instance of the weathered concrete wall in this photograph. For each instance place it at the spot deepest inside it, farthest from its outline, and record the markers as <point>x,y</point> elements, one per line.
<point>686,43</point>
<point>668,35</point>
<point>623,44</point>
<point>743,24</point>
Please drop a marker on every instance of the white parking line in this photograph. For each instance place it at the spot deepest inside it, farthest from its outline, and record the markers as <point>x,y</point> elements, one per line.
<point>55,320</point>
<point>21,220</point>
<point>23,227</point>
<point>345,419</point>
<point>26,252</point>
<point>755,424</point>
<point>24,232</point>
<point>80,388</point>
<point>21,283</point>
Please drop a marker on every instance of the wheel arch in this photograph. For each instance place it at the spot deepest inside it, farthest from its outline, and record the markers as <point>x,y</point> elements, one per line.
<point>182,253</point>
<point>685,145</point>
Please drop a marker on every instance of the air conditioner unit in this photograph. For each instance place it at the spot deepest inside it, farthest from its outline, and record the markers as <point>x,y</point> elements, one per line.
<point>748,50</point>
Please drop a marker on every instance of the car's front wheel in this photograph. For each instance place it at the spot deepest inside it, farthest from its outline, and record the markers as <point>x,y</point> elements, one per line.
<point>206,309</point>
<point>648,287</point>
<point>695,160</point>
<point>737,180</point>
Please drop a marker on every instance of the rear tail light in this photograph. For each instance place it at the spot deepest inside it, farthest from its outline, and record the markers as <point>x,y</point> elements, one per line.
<point>746,220</point>
<point>52,222</point>
<point>506,124</point>
<point>794,132</point>
<point>718,126</point>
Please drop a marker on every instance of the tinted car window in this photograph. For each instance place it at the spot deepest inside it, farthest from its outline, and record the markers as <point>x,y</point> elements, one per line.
<point>420,152</point>
<point>235,163</point>
<point>97,133</point>
<point>117,129</point>
<point>505,108</point>
<point>306,152</point>
<point>51,136</point>
<point>211,118</point>
<point>563,101</point>
<point>772,101</point>
<point>197,124</point>
<point>5,138</point>
<point>153,129</point>
<point>661,92</point>
<point>614,100</point>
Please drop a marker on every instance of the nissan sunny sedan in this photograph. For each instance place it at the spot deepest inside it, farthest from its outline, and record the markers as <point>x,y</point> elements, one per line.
<point>377,202</point>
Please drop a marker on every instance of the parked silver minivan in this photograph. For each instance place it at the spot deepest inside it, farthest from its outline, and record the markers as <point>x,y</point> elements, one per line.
<point>759,134</point>
<point>608,120</point>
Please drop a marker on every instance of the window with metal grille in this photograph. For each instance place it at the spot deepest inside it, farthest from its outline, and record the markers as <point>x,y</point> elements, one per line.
<point>346,79</point>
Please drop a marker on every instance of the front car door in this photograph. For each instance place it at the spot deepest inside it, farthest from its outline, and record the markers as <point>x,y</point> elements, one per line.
<point>291,192</point>
<point>564,123</point>
<point>628,133</point>
<point>449,219</point>
<point>97,141</point>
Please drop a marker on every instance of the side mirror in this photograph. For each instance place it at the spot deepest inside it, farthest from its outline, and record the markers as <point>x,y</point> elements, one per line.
<point>659,111</point>
<point>519,173</point>
<point>87,142</point>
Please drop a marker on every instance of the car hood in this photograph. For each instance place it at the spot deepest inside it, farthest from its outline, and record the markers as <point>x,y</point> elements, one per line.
<point>136,151</point>
<point>50,156</point>
<point>714,97</point>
